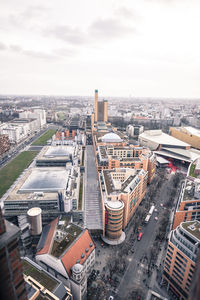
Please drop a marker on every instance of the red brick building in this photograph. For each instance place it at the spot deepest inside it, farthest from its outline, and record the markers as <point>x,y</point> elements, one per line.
<point>4,143</point>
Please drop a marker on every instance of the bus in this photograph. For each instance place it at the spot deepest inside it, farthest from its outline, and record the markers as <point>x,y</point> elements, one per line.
<point>149,214</point>
<point>147,218</point>
<point>151,210</point>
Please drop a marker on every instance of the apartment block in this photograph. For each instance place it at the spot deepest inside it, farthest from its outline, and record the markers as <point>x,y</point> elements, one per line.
<point>12,285</point>
<point>122,190</point>
<point>134,157</point>
<point>68,252</point>
<point>181,258</point>
<point>4,143</point>
<point>188,206</point>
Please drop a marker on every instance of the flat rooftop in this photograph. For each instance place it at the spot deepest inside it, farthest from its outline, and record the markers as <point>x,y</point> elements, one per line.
<point>161,138</point>
<point>39,275</point>
<point>112,185</point>
<point>20,194</point>
<point>45,180</point>
<point>193,228</point>
<point>192,190</point>
<point>53,153</point>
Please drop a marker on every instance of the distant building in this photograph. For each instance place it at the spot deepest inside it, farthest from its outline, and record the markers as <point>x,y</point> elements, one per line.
<point>68,252</point>
<point>156,140</point>
<point>100,109</point>
<point>12,285</point>
<point>4,143</point>
<point>187,134</point>
<point>168,146</point>
<point>134,130</point>
<point>133,157</point>
<point>42,285</point>
<point>122,190</point>
<point>38,114</point>
<point>181,258</point>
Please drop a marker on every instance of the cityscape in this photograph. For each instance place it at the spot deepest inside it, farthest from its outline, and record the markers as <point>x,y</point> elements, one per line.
<point>96,204</point>
<point>99,150</point>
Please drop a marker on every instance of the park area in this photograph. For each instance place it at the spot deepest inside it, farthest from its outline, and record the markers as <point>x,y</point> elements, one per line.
<point>42,140</point>
<point>10,172</point>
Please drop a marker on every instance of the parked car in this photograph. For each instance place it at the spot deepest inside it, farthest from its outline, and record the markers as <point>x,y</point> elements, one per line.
<point>140,236</point>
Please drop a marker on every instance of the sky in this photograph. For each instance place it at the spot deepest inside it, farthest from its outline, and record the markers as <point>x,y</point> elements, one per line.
<point>145,48</point>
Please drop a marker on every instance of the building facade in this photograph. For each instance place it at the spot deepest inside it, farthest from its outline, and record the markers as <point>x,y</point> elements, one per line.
<point>12,285</point>
<point>188,135</point>
<point>122,190</point>
<point>181,258</point>
<point>4,143</point>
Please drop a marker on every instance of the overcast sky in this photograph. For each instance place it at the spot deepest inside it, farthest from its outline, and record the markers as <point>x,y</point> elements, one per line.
<point>121,47</point>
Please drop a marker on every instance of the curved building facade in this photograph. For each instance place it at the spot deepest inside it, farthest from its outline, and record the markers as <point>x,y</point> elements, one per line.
<point>114,219</point>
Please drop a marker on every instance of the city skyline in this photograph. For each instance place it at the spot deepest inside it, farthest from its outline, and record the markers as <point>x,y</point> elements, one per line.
<point>138,48</point>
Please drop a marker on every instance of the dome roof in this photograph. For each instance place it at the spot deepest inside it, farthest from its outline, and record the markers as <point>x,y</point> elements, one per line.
<point>77,268</point>
<point>111,137</point>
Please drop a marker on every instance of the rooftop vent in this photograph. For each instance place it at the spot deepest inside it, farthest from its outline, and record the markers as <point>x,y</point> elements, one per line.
<point>192,227</point>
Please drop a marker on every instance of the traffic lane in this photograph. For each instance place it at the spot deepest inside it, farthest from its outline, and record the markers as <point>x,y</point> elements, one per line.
<point>141,247</point>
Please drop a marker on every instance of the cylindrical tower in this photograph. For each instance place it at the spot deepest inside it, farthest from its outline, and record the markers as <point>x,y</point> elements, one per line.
<point>114,219</point>
<point>96,106</point>
<point>35,219</point>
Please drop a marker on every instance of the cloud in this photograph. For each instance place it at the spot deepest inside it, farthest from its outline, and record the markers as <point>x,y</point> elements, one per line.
<point>15,48</point>
<point>125,13</point>
<point>2,46</point>
<point>65,52</point>
<point>110,29</point>
<point>65,33</point>
<point>39,54</point>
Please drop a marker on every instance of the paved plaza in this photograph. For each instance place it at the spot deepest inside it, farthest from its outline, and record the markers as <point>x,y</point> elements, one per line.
<point>92,209</point>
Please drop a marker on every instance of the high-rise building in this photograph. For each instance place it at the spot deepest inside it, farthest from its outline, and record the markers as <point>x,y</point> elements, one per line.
<point>100,109</point>
<point>181,258</point>
<point>188,206</point>
<point>12,285</point>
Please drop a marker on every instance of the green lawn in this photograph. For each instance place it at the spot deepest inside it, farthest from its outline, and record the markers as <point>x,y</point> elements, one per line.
<point>42,140</point>
<point>13,169</point>
<point>192,169</point>
<point>61,116</point>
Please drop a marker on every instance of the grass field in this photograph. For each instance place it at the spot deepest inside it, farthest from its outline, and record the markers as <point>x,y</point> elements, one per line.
<point>61,116</point>
<point>13,169</point>
<point>44,138</point>
<point>192,169</point>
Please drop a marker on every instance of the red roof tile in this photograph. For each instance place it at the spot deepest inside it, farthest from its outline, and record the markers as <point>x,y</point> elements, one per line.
<point>47,245</point>
<point>74,253</point>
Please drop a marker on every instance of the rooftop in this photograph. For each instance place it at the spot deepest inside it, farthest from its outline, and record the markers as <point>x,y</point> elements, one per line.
<point>45,180</point>
<point>161,138</point>
<point>191,190</point>
<point>66,241</point>
<point>40,275</point>
<point>11,232</point>
<point>116,185</point>
<point>190,130</point>
<point>193,228</point>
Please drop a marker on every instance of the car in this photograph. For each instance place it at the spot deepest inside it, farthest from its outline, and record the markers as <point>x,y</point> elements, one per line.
<point>111,298</point>
<point>156,218</point>
<point>139,236</point>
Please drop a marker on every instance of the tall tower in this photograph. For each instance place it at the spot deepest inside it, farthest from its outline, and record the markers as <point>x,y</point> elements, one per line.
<point>12,285</point>
<point>96,106</point>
